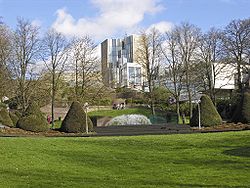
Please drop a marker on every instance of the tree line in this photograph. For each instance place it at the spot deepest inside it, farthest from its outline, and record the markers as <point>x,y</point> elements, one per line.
<point>191,60</point>
<point>70,64</point>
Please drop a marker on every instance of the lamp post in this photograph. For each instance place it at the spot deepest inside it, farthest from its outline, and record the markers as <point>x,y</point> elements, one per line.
<point>86,105</point>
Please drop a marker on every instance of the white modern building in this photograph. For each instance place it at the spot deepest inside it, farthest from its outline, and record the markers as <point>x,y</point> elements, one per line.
<point>119,67</point>
<point>226,76</point>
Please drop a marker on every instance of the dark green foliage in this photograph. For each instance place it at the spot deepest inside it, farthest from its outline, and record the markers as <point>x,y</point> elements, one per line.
<point>33,123</point>
<point>227,106</point>
<point>75,120</point>
<point>184,108</point>
<point>161,94</point>
<point>33,120</point>
<point>5,117</point>
<point>14,118</point>
<point>242,112</point>
<point>13,104</point>
<point>246,107</point>
<point>209,114</point>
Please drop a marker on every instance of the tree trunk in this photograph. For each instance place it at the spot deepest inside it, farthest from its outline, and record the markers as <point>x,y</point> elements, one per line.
<point>53,99</point>
<point>76,86</point>
<point>151,98</point>
<point>178,110</point>
<point>152,108</point>
<point>239,79</point>
<point>190,103</point>
<point>22,91</point>
<point>189,92</point>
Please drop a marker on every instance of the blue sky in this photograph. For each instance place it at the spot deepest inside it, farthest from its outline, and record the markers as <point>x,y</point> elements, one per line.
<point>111,18</point>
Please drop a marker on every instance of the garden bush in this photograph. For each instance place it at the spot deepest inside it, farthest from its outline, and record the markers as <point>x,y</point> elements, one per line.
<point>242,112</point>
<point>5,117</point>
<point>33,120</point>
<point>75,120</point>
<point>33,123</point>
<point>209,115</point>
<point>227,106</point>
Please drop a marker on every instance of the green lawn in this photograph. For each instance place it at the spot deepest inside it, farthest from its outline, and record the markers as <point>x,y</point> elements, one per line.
<point>182,160</point>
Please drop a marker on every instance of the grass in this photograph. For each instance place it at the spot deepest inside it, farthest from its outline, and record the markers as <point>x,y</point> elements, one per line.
<point>187,120</point>
<point>182,160</point>
<point>57,124</point>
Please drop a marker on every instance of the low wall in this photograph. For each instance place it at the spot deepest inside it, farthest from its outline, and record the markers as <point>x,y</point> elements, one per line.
<point>142,129</point>
<point>61,112</point>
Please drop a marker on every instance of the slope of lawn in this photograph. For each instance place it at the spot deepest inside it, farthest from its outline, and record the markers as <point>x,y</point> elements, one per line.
<point>182,160</point>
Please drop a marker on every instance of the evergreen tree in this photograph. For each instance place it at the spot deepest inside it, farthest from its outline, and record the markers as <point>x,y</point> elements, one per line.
<point>209,115</point>
<point>75,120</point>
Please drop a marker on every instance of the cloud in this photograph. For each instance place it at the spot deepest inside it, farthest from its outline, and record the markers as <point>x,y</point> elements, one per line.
<point>113,16</point>
<point>162,26</point>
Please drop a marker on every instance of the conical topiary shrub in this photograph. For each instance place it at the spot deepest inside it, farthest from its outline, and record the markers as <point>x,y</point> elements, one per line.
<point>75,120</point>
<point>33,120</point>
<point>242,112</point>
<point>209,114</point>
<point>5,117</point>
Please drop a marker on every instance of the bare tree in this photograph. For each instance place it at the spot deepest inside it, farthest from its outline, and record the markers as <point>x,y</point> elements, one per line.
<point>236,43</point>
<point>210,58</point>
<point>55,56</point>
<point>25,53</point>
<point>5,52</point>
<point>148,55</point>
<point>174,71</point>
<point>188,37</point>
<point>85,62</point>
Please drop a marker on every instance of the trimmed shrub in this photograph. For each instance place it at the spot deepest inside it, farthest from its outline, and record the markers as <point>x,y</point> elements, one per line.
<point>5,118</point>
<point>242,112</point>
<point>33,120</point>
<point>75,120</point>
<point>14,118</point>
<point>208,112</point>
<point>33,123</point>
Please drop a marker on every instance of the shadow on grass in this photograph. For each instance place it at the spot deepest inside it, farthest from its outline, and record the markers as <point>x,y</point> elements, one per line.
<point>240,151</point>
<point>46,178</point>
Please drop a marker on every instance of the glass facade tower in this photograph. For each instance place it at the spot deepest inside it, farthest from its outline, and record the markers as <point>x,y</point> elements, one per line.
<point>119,67</point>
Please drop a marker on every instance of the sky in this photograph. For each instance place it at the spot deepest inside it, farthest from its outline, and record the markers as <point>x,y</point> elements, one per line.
<point>103,19</point>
